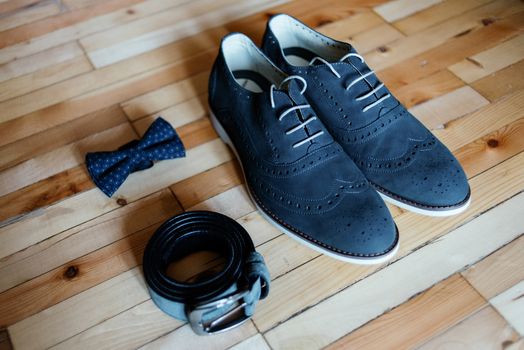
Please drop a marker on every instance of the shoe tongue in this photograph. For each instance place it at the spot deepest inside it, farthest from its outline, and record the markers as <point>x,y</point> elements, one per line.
<point>294,89</point>
<point>291,96</point>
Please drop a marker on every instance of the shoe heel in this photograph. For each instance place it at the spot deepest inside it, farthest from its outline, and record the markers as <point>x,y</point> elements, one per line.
<point>219,129</point>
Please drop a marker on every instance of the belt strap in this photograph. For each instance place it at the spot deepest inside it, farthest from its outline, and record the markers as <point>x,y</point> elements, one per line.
<point>215,303</point>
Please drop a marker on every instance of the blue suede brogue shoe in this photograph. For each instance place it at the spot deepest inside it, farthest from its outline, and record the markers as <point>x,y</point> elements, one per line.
<point>299,178</point>
<point>402,159</point>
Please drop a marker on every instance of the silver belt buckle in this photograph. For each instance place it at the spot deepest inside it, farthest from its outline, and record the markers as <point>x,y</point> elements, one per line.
<point>220,323</point>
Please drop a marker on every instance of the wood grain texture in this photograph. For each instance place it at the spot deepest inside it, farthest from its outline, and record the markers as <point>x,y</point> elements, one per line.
<point>484,330</point>
<point>29,14</point>
<point>510,304</point>
<point>101,231</point>
<point>69,26</point>
<point>44,193</point>
<point>456,48</point>
<point>13,5</point>
<point>436,113</point>
<point>40,60</point>
<point>488,150</point>
<point>501,83</point>
<point>75,314</point>
<point>375,38</point>
<point>183,338</point>
<point>436,14</point>
<point>256,342</point>
<point>69,156</point>
<point>76,180</point>
<point>143,323</point>
<point>489,61</point>
<point>197,188</point>
<point>177,115</point>
<point>499,271</point>
<point>53,138</point>
<point>427,88</point>
<point>165,27</point>
<point>417,232</point>
<point>92,101</point>
<point>44,77</point>
<point>323,323</point>
<point>448,302</point>
<point>398,9</point>
<point>83,75</point>
<point>438,34</point>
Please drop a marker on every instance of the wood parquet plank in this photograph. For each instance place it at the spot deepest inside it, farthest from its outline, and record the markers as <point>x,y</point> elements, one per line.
<point>438,112</point>
<point>398,9</point>
<point>68,26</point>
<point>499,271</point>
<point>66,319</point>
<point>40,61</point>
<point>416,231</point>
<point>324,323</point>
<point>426,88</point>
<point>486,151</point>
<point>436,14</point>
<point>280,245</point>
<point>164,27</point>
<point>70,257</point>
<point>13,5</point>
<point>489,61</point>
<point>208,184</point>
<point>146,320</point>
<point>63,158</point>
<point>92,101</point>
<point>37,144</point>
<point>76,179</point>
<point>452,51</point>
<point>510,305</point>
<point>485,329</point>
<point>71,244</point>
<point>417,320</point>
<point>29,14</point>
<point>501,83</point>
<point>429,38</point>
<point>140,80</point>
<point>48,76</point>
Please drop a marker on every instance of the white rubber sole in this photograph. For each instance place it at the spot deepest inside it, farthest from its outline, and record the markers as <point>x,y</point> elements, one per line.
<point>355,260</point>
<point>427,212</point>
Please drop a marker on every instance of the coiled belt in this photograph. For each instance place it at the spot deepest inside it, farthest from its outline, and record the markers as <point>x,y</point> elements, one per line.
<point>218,302</point>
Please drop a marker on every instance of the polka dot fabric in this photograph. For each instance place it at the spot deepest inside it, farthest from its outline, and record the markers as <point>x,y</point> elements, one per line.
<point>109,170</point>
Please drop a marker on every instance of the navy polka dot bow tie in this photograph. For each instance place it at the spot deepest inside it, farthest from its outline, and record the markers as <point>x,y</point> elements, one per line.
<point>110,169</point>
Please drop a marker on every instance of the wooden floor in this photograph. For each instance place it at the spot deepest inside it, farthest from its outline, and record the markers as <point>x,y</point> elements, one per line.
<point>87,75</point>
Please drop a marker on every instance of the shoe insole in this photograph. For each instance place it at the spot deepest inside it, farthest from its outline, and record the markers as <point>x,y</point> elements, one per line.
<point>299,56</point>
<point>251,80</point>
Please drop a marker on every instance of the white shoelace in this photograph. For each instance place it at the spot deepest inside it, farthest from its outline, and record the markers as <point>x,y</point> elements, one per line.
<point>356,80</point>
<point>295,108</point>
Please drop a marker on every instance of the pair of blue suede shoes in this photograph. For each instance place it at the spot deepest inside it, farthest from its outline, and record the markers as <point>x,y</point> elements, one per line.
<point>322,142</point>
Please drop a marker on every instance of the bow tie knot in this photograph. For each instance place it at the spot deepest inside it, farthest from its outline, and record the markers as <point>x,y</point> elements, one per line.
<point>110,169</point>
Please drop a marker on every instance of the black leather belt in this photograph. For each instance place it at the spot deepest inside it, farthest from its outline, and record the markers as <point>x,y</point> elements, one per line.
<point>215,303</point>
